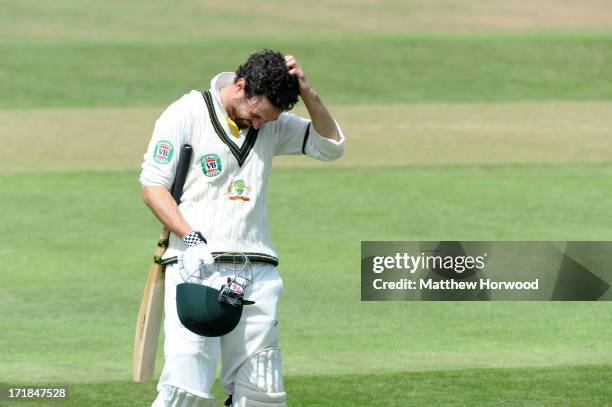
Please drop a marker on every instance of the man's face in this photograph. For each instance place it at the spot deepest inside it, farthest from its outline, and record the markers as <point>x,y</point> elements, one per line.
<point>253,111</point>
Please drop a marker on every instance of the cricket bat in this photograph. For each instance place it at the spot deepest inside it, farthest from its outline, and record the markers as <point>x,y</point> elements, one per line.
<point>152,303</point>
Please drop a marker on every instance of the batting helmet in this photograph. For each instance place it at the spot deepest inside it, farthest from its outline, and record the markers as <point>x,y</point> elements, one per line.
<point>208,311</point>
<point>200,310</point>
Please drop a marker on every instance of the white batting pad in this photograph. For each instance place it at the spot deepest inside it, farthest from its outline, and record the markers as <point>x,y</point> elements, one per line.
<point>171,396</point>
<point>259,381</point>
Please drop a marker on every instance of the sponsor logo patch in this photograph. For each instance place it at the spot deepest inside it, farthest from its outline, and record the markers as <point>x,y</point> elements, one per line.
<point>238,191</point>
<point>236,288</point>
<point>211,165</point>
<point>163,152</point>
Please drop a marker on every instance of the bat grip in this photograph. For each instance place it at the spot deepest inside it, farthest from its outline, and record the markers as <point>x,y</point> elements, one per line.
<point>181,172</point>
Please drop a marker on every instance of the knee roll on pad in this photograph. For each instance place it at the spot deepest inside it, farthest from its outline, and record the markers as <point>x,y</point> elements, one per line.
<point>259,381</point>
<point>170,396</point>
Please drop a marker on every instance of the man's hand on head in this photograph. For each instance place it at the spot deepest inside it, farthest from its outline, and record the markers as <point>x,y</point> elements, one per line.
<point>296,70</point>
<point>322,120</point>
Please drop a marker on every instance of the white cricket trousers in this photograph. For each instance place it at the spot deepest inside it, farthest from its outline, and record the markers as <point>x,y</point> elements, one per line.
<point>190,359</point>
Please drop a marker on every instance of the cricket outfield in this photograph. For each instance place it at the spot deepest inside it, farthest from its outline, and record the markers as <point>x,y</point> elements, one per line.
<point>479,123</point>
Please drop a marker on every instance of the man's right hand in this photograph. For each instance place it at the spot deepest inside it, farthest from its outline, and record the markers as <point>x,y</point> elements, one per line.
<point>197,254</point>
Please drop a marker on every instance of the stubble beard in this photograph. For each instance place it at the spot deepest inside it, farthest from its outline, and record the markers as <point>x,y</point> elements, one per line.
<point>240,122</point>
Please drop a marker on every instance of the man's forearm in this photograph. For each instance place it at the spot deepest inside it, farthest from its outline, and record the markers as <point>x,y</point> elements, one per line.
<point>322,120</point>
<point>163,206</point>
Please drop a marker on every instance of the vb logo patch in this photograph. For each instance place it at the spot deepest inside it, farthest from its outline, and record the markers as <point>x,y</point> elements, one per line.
<point>211,165</point>
<point>238,191</point>
<point>163,152</point>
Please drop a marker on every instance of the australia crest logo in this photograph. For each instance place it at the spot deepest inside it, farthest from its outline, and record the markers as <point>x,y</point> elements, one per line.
<point>238,191</point>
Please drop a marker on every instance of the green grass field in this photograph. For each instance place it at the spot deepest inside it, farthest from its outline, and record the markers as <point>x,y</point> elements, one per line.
<point>465,122</point>
<point>408,68</point>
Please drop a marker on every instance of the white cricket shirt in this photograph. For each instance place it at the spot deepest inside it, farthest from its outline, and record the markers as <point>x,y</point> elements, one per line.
<point>224,195</point>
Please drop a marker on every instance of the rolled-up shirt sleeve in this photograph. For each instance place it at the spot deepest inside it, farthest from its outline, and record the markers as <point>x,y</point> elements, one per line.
<point>296,135</point>
<point>169,135</point>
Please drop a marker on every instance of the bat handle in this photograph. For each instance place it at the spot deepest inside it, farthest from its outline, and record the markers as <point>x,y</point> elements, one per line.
<point>181,172</point>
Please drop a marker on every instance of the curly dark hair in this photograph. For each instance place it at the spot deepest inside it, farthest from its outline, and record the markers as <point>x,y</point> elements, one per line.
<point>266,74</point>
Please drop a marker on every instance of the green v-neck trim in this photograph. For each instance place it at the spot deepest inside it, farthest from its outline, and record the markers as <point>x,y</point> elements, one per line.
<point>241,153</point>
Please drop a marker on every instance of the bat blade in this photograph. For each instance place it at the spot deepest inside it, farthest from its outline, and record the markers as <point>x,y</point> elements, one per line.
<point>149,319</point>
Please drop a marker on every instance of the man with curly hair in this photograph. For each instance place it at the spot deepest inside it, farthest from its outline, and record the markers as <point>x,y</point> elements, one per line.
<point>236,128</point>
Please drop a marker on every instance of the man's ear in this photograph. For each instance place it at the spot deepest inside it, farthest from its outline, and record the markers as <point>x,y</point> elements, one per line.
<point>239,86</point>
